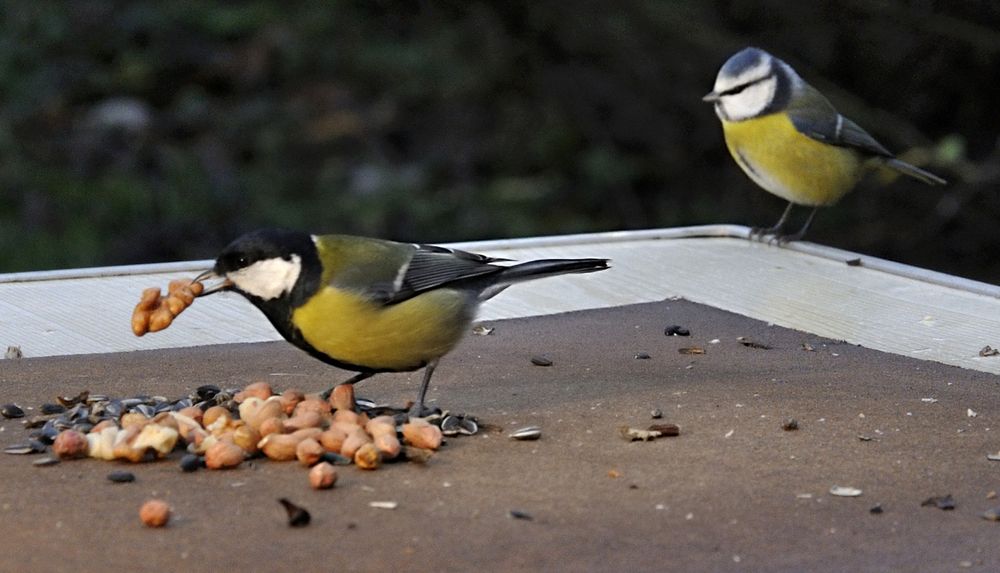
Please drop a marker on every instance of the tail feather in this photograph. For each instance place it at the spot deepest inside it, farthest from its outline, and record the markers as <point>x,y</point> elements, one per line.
<point>540,269</point>
<point>914,171</point>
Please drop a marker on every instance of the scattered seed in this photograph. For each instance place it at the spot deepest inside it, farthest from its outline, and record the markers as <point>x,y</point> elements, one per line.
<point>527,433</point>
<point>541,361</point>
<point>691,350</point>
<point>666,430</point>
<point>841,491</point>
<point>808,347</point>
<point>992,514</point>
<point>383,504</point>
<point>468,426</point>
<point>865,438</point>
<point>675,330</point>
<point>656,414</point>
<point>991,495</point>
<point>192,462</point>
<point>970,413</point>
<point>876,509</point>
<point>635,434</point>
<point>853,262</point>
<point>13,353</point>
<point>751,344</point>
<point>121,476</point>
<point>70,401</point>
<point>46,461</point>
<point>945,502</point>
<point>49,409</point>
<point>993,457</point>
<point>482,330</point>
<point>988,351</point>
<point>32,447</point>
<point>297,516</point>
<point>518,514</point>
<point>642,356</point>
<point>790,425</point>
<point>11,411</point>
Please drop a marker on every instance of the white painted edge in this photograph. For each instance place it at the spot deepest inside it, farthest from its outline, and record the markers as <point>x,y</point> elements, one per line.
<point>701,231</point>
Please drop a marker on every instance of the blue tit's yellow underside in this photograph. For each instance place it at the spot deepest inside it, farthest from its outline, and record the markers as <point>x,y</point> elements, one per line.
<point>789,164</point>
<point>405,336</point>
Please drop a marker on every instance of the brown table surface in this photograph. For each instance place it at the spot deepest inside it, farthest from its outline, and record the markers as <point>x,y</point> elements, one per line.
<point>734,492</point>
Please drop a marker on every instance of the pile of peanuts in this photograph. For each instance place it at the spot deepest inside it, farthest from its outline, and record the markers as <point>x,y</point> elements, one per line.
<point>283,427</point>
<point>155,312</point>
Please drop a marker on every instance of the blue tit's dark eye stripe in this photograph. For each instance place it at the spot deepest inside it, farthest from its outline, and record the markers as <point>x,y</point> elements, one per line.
<point>737,89</point>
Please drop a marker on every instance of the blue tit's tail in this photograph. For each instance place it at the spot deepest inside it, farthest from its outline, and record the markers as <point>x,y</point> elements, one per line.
<point>913,171</point>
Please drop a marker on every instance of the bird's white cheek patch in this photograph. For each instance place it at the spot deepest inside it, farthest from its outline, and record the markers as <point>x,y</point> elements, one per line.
<point>751,101</point>
<point>268,279</point>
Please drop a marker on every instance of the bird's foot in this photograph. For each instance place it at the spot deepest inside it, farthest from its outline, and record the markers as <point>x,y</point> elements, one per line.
<point>421,411</point>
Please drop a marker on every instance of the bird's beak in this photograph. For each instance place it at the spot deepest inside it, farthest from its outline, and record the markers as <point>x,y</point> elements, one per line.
<point>711,97</point>
<point>223,284</point>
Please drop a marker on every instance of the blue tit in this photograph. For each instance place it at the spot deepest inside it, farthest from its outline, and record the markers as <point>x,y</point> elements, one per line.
<point>788,138</point>
<point>369,305</point>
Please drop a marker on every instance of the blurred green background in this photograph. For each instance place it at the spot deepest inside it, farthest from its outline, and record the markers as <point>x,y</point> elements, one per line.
<point>153,130</point>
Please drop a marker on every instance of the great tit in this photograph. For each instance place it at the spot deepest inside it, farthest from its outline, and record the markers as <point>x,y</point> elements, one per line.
<point>788,138</point>
<point>370,305</point>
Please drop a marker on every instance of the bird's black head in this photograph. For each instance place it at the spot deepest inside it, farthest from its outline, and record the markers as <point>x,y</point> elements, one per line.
<point>269,264</point>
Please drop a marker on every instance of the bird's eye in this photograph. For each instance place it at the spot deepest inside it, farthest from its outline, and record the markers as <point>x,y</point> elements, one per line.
<point>734,90</point>
<point>242,262</point>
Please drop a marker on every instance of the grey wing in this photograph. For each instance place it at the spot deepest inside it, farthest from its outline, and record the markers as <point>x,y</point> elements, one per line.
<point>816,117</point>
<point>432,267</point>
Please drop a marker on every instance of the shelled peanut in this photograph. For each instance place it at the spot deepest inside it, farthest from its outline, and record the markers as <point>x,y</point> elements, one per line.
<point>155,312</point>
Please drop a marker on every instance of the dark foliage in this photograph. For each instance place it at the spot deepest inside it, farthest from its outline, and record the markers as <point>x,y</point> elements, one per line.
<point>148,130</point>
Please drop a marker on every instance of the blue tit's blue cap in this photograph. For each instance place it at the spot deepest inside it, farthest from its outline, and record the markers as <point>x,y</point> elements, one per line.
<point>743,60</point>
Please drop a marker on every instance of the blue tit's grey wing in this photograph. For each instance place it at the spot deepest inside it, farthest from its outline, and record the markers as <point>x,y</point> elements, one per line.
<point>814,116</point>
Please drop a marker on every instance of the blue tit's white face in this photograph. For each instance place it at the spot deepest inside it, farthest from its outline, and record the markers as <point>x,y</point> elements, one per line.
<point>748,85</point>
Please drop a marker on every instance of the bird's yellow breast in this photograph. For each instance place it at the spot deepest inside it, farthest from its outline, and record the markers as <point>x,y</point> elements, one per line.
<point>400,337</point>
<point>789,164</point>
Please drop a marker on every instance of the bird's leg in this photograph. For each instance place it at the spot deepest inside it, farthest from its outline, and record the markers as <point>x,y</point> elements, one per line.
<point>759,232</point>
<point>421,411</point>
<point>352,380</point>
<point>782,239</point>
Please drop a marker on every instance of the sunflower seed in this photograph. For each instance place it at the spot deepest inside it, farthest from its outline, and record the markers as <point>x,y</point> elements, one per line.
<point>676,330</point>
<point>11,411</point>
<point>518,514</point>
<point>48,409</point>
<point>383,504</point>
<point>32,447</point>
<point>528,433</point>
<point>191,462</point>
<point>46,461</point>
<point>992,514</point>
<point>691,350</point>
<point>841,491</point>
<point>482,330</point>
<point>541,361</point>
<point>449,425</point>
<point>121,476</point>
